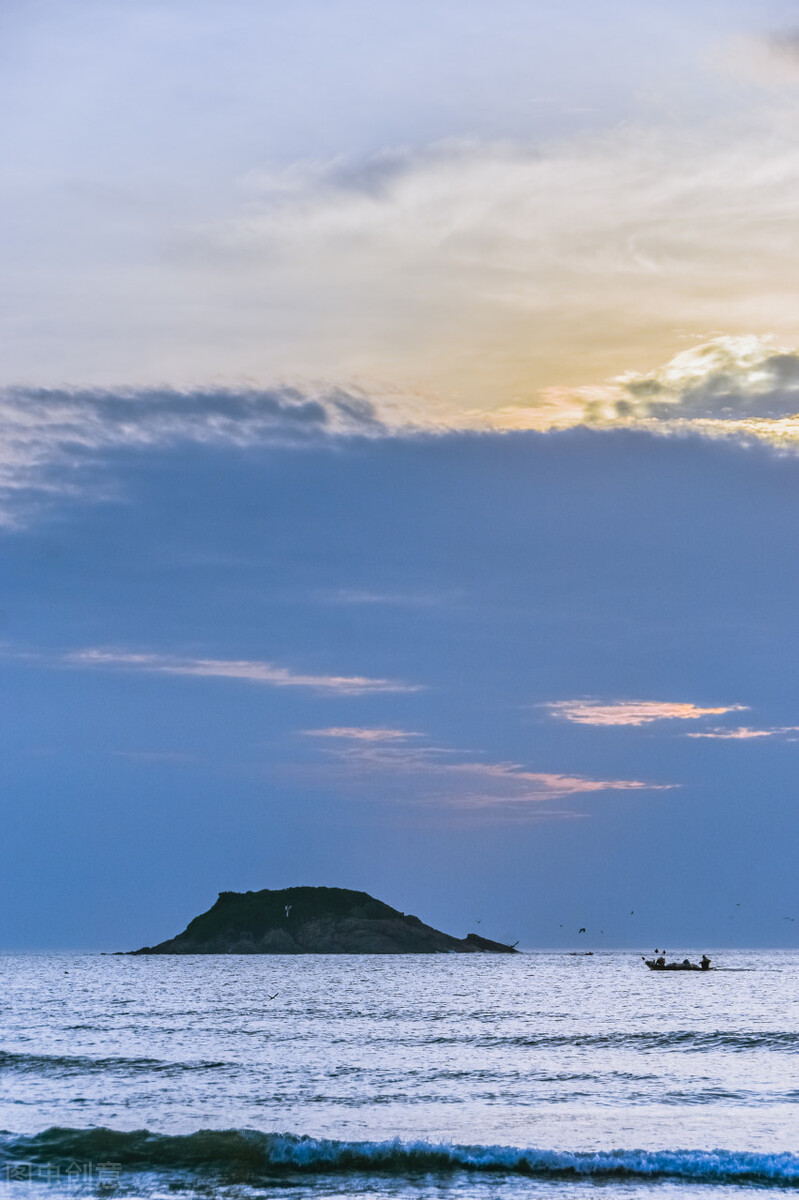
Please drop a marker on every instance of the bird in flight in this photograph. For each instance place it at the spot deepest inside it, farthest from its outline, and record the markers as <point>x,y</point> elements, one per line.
<point>273,997</point>
<point>581,930</point>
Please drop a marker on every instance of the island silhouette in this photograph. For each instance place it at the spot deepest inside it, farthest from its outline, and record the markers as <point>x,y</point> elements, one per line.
<point>314,920</point>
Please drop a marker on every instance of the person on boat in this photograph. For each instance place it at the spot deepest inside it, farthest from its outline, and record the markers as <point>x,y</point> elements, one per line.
<point>660,962</point>
<point>705,963</point>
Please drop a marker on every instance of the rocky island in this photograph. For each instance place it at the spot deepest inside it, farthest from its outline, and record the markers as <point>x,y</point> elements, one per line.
<point>314,920</point>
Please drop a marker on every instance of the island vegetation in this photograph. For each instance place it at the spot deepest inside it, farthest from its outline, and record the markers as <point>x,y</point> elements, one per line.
<point>314,920</point>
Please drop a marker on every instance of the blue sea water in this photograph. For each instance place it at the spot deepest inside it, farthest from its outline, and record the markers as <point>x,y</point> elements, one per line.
<point>411,1076</point>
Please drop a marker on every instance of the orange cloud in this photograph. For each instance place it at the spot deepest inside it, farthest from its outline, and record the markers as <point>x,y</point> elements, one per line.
<point>632,712</point>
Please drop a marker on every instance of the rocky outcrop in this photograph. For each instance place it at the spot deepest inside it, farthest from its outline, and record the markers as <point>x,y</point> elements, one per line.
<point>314,920</point>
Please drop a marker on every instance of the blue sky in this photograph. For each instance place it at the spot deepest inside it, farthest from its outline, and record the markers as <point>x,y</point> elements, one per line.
<point>340,664</point>
<point>398,466</point>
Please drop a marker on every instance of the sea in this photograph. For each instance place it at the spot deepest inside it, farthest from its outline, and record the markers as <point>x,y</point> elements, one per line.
<point>452,1076</point>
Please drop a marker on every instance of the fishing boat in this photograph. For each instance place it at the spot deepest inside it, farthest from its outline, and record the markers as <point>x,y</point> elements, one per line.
<point>660,964</point>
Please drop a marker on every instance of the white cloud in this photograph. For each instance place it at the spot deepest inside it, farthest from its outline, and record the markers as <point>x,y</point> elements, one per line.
<point>250,671</point>
<point>632,712</point>
<point>744,733</point>
<point>770,60</point>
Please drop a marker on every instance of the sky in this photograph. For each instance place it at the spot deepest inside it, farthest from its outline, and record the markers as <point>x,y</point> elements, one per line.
<point>399,465</point>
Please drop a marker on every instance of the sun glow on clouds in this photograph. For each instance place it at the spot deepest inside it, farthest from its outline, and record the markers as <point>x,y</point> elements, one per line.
<point>514,271</point>
<point>632,712</point>
<point>485,257</point>
<point>244,669</point>
<point>740,388</point>
<point>744,388</point>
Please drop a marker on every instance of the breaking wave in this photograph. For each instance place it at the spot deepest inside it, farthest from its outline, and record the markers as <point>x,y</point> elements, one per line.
<point>245,1153</point>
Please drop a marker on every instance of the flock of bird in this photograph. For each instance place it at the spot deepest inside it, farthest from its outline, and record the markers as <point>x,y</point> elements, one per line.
<point>583,929</point>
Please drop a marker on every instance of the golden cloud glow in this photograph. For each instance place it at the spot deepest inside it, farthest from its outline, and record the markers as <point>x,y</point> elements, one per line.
<point>488,273</point>
<point>632,712</point>
<point>741,388</point>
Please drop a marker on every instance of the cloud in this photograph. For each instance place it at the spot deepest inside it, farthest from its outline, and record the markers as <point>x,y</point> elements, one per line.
<point>450,778</point>
<point>632,712</point>
<point>250,671</point>
<point>399,599</point>
<point>769,60</point>
<point>146,245</point>
<point>483,267</point>
<point>515,785</point>
<point>349,733</point>
<point>741,388</point>
<point>744,733</point>
<point>744,388</point>
<point>155,756</point>
<point>46,432</point>
<point>470,274</point>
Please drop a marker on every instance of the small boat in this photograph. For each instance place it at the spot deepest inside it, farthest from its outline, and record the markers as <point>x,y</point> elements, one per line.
<point>660,964</point>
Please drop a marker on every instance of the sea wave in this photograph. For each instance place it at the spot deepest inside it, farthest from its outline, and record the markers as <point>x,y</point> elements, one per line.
<point>246,1153</point>
<point>677,1039</point>
<point>86,1064</point>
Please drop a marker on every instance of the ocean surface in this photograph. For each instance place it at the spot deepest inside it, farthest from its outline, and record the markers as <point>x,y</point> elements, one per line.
<point>412,1076</point>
